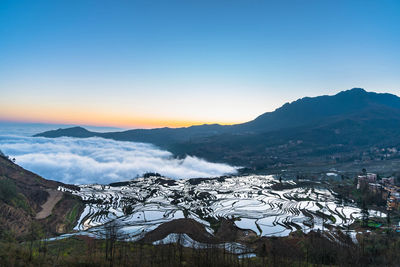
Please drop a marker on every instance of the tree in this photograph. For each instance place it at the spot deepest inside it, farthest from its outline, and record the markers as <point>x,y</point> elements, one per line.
<point>364,214</point>
<point>34,233</point>
<point>388,218</point>
<point>8,190</point>
<point>113,234</point>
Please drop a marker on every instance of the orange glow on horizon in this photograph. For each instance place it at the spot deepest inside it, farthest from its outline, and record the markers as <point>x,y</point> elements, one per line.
<point>108,121</point>
<point>78,115</point>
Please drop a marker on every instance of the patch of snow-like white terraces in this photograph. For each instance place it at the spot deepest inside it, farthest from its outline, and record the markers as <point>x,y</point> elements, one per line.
<point>186,241</point>
<point>260,203</point>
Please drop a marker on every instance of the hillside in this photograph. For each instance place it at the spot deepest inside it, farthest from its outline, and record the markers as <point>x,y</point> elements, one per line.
<point>324,129</point>
<point>317,110</point>
<point>28,201</point>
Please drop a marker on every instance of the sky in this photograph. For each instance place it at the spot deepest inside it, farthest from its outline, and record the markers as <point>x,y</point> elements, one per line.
<point>148,64</point>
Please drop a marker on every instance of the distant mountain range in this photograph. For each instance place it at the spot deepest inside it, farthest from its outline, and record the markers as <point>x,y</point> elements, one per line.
<point>353,125</point>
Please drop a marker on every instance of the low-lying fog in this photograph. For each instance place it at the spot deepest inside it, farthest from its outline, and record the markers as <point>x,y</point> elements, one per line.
<point>98,160</point>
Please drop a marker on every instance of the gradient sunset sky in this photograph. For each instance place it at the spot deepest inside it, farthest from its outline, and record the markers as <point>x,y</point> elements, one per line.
<point>177,63</point>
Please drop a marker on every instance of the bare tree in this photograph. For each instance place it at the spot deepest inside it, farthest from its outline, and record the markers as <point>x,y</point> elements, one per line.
<point>33,236</point>
<point>113,233</point>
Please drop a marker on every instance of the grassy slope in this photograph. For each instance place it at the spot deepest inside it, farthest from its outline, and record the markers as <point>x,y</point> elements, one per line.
<point>21,195</point>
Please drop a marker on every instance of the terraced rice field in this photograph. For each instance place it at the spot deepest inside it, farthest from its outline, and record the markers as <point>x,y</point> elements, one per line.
<point>259,203</point>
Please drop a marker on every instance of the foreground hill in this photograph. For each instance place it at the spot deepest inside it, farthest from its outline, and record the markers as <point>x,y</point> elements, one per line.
<point>344,127</point>
<point>28,201</point>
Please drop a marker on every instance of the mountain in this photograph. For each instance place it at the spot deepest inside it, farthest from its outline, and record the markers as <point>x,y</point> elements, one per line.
<point>28,201</point>
<point>321,129</point>
<point>160,136</point>
<point>310,110</point>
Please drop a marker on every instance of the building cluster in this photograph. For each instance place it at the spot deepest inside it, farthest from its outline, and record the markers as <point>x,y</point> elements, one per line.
<point>386,186</point>
<point>393,199</point>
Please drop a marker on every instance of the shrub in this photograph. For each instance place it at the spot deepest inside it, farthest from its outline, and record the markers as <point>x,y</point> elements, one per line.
<point>8,190</point>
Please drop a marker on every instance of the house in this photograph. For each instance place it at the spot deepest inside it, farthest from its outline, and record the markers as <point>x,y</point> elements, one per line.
<point>366,179</point>
<point>393,202</point>
<point>374,187</point>
<point>387,181</point>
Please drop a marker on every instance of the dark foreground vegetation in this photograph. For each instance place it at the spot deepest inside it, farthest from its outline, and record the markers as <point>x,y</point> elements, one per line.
<point>298,249</point>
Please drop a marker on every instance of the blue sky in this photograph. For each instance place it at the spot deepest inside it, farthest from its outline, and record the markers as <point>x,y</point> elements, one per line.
<point>157,63</point>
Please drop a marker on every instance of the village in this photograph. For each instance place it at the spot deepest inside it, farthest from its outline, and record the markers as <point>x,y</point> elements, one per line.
<point>387,188</point>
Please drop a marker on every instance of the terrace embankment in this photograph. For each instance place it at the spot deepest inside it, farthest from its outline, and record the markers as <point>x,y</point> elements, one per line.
<point>226,232</point>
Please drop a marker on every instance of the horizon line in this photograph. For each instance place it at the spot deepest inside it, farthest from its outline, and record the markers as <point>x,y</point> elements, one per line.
<point>167,124</point>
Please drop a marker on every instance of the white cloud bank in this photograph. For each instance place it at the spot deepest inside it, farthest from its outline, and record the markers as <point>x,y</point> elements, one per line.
<point>98,160</point>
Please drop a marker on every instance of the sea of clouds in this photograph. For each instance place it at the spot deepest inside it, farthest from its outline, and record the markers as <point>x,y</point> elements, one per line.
<point>98,160</point>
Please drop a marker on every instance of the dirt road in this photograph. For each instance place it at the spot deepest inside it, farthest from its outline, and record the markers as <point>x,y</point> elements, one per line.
<point>47,207</point>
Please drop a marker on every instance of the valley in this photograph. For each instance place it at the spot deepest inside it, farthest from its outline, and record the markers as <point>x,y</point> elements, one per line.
<point>257,203</point>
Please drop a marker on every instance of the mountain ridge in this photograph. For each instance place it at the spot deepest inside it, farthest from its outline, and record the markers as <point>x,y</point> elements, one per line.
<point>336,124</point>
<point>289,108</point>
